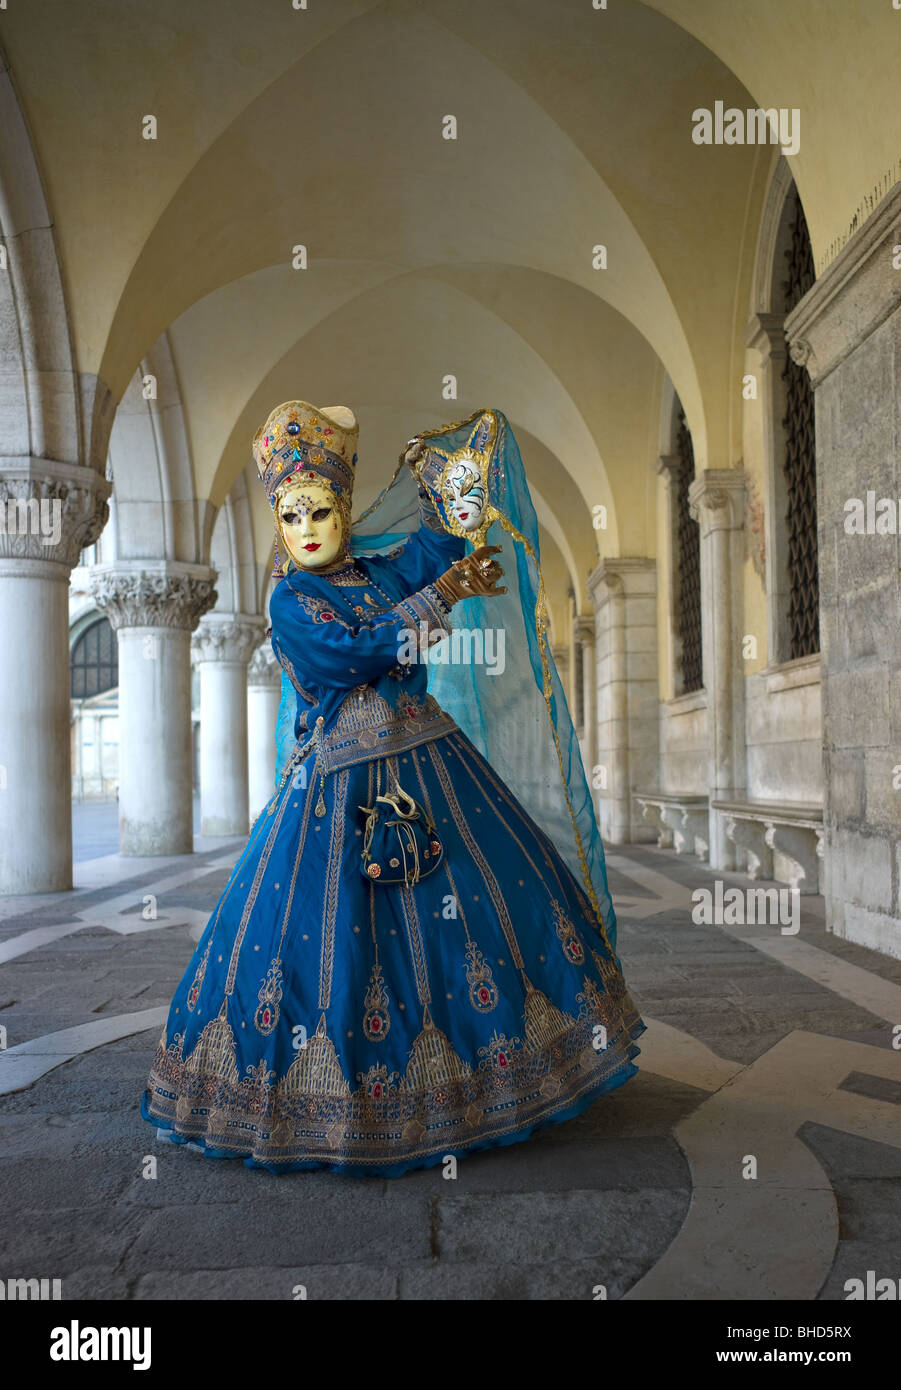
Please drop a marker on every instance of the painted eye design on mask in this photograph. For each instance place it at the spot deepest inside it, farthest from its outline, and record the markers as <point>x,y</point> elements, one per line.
<point>292,516</point>
<point>465,493</point>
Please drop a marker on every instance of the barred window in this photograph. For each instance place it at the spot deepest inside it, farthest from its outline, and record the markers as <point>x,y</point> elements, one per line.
<point>94,664</point>
<point>688,550</point>
<point>800,457</point>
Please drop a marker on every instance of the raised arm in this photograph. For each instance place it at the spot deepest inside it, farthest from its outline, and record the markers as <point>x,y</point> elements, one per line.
<point>428,553</point>
<point>333,652</point>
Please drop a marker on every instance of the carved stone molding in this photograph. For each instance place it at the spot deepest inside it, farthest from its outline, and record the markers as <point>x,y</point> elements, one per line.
<point>668,466</point>
<point>50,511</point>
<point>765,269</point>
<point>264,669</point>
<point>802,354</point>
<point>583,628</point>
<point>619,574</point>
<point>716,499</point>
<point>231,637</point>
<point>852,297</point>
<point>766,333</point>
<point>175,596</point>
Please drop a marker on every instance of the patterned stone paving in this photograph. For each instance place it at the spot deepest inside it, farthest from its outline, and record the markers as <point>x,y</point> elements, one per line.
<point>772,1046</point>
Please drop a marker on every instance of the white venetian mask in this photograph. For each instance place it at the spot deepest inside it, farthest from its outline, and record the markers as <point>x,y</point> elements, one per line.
<point>464,495</point>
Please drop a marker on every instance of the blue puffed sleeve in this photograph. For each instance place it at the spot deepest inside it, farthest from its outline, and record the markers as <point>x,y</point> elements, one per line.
<point>326,649</point>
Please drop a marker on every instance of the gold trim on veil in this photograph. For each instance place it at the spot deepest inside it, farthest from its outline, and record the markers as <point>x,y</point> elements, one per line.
<point>431,473</point>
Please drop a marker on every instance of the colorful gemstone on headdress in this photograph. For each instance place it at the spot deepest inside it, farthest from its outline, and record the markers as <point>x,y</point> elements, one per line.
<point>293,427</point>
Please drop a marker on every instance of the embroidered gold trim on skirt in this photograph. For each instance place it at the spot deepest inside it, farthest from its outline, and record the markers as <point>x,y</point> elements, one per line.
<point>441,1104</point>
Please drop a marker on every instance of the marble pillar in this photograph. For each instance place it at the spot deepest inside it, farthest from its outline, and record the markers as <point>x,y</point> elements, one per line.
<point>223,645</point>
<point>583,637</point>
<point>264,689</point>
<point>716,499</point>
<point>766,335</point>
<point>560,653</point>
<point>153,610</point>
<point>49,511</point>
<point>624,592</point>
<point>847,332</point>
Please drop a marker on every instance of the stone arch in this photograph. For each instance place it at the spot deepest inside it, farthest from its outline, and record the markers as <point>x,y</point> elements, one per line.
<point>767,340</point>
<point>160,515</point>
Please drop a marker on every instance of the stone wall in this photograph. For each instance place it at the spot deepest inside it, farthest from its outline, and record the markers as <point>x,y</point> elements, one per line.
<point>684,745</point>
<point>847,330</point>
<point>784,740</point>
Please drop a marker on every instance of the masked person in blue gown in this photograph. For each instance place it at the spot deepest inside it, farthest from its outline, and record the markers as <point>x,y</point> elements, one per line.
<point>415,954</point>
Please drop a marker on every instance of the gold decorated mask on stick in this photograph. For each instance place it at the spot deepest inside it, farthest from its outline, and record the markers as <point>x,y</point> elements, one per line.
<point>458,482</point>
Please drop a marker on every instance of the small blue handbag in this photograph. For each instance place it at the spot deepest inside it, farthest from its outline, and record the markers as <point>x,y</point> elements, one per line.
<point>400,844</point>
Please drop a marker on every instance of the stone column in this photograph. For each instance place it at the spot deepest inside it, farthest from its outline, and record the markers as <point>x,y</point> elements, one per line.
<point>716,499</point>
<point>49,512</point>
<point>153,609</point>
<point>583,637</point>
<point>571,663</point>
<point>766,335</point>
<point>625,604</point>
<point>847,331</point>
<point>94,780</point>
<point>223,645</point>
<point>668,466</point>
<point>264,689</point>
<point>560,653</point>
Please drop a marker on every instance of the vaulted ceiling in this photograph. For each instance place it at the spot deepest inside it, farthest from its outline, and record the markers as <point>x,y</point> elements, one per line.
<point>426,257</point>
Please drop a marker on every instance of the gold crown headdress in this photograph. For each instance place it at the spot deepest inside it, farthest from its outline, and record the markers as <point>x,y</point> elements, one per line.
<point>301,443</point>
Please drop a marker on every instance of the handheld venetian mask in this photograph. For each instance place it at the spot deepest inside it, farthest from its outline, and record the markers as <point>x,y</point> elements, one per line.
<point>306,458</point>
<point>464,494</point>
<point>458,481</point>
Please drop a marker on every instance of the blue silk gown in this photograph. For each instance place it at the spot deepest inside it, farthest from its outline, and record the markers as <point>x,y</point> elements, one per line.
<point>328,1020</point>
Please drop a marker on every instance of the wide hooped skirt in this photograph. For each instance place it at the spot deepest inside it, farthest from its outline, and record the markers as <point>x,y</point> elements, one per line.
<point>326,1021</point>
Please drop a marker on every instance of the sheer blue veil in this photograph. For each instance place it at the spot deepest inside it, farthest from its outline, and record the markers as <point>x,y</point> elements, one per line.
<point>495,675</point>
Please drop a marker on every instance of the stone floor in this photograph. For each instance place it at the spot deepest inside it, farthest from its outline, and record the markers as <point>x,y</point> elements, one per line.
<point>761,1047</point>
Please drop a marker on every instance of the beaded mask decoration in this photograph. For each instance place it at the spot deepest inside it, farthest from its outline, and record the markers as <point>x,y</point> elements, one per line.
<point>459,482</point>
<point>301,444</point>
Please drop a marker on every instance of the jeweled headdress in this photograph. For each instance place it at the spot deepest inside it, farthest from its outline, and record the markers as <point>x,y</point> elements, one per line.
<point>301,443</point>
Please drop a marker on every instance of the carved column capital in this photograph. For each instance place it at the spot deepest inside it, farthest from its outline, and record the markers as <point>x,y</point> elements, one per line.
<point>143,595</point>
<point>620,573</point>
<point>228,637</point>
<point>583,628</point>
<point>49,511</point>
<point>716,499</point>
<point>264,669</point>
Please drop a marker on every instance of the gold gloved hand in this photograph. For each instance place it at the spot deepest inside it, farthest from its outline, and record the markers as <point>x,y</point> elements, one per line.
<point>475,575</point>
<point>412,453</point>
